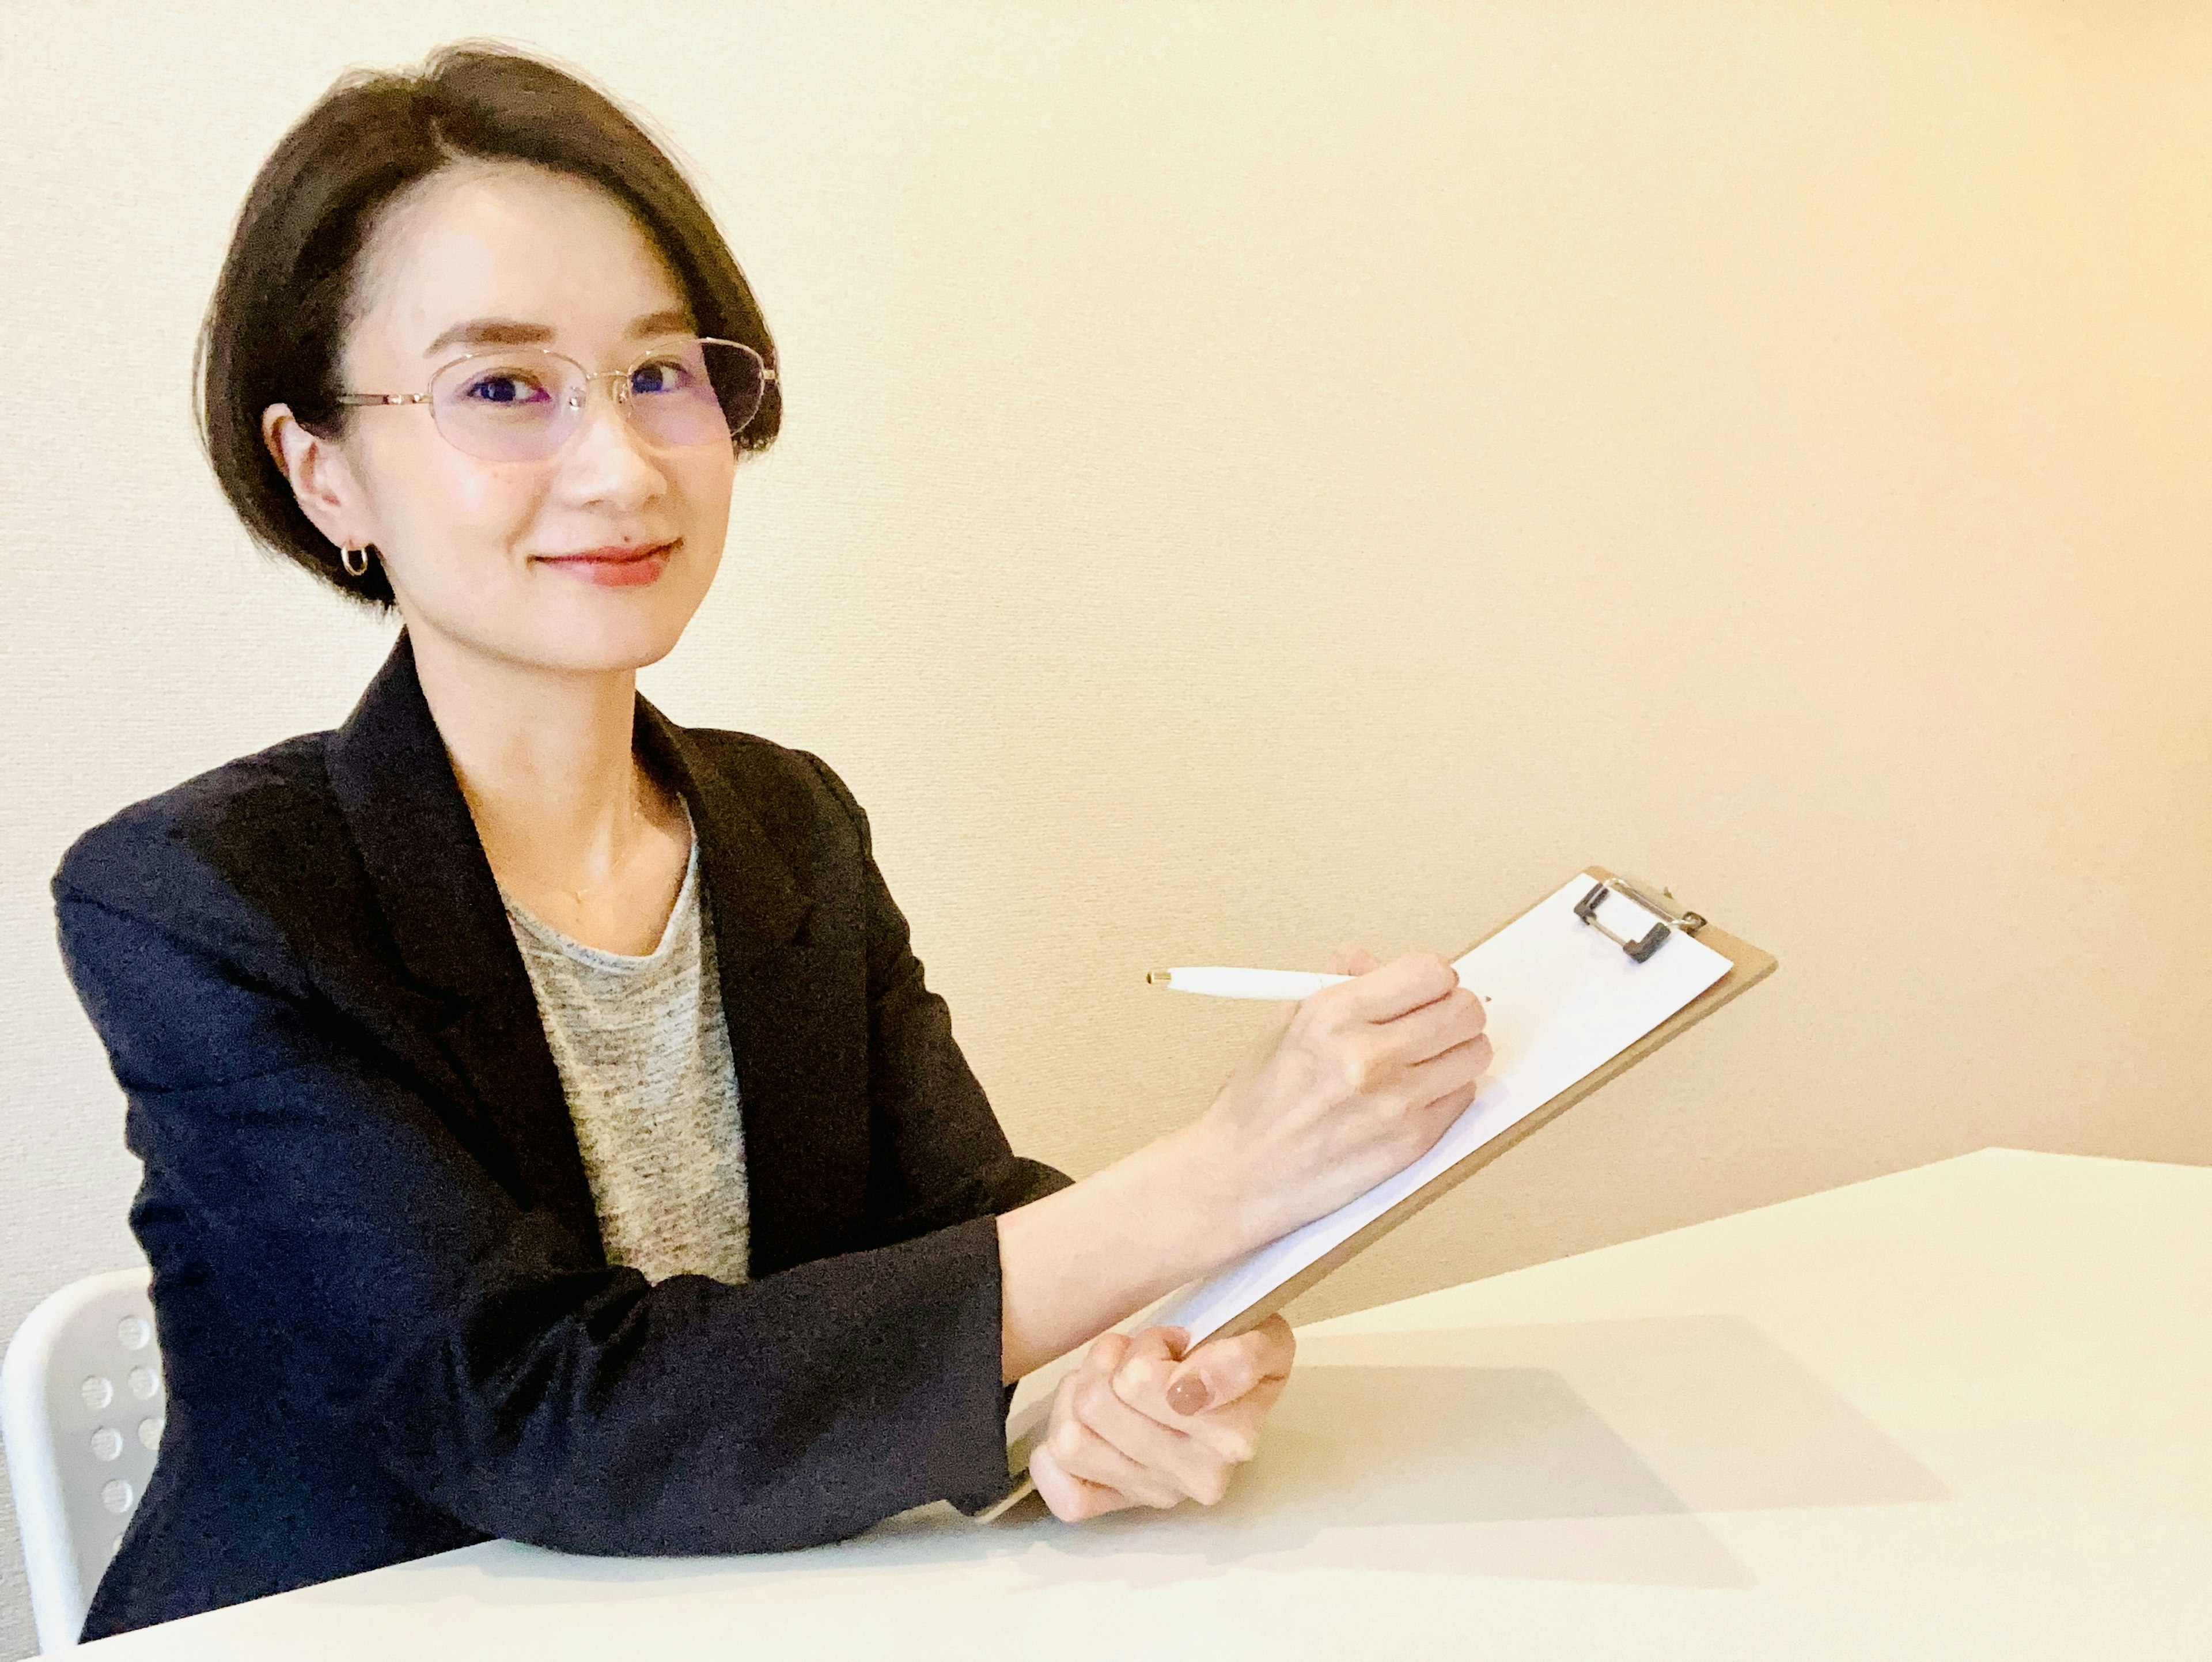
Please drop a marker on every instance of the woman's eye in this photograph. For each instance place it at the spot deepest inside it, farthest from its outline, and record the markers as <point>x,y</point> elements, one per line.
<point>661,375</point>
<point>507,387</point>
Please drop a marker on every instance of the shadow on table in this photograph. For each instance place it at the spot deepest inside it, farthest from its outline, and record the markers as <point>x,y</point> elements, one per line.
<point>1574,1451</point>
<point>1501,1471</point>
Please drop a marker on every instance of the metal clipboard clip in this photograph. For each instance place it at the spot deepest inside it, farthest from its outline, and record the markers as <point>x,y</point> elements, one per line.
<point>1667,917</point>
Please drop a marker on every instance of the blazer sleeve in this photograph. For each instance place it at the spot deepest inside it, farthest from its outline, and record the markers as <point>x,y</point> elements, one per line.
<point>498,1372</point>
<point>939,1156</point>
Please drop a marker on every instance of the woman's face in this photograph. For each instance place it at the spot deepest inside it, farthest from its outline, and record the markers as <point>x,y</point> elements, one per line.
<point>482,553</point>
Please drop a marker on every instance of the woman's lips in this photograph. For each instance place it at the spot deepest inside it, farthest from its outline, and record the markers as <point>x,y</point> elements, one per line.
<point>617,571</point>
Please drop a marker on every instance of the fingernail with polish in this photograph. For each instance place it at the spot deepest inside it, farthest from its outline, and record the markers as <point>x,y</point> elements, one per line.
<point>1189,1395</point>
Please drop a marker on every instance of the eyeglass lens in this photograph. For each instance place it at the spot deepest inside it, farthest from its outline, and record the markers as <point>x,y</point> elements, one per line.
<point>519,403</point>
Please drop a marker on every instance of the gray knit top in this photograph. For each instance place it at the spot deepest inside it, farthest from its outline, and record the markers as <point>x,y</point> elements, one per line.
<point>644,1056</point>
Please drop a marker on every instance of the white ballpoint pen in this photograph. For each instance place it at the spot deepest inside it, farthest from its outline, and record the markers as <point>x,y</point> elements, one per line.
<point>1222,982</point>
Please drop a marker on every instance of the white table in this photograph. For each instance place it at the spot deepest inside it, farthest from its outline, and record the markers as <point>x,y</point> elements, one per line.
<point>1962,1411</point>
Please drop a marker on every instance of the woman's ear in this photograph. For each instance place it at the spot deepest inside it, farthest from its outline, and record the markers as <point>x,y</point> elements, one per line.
<point>320,476</point>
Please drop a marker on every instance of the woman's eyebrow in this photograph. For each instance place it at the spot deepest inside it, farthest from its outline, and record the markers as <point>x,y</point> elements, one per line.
<point>513,331</point>
<point>674,320</point>
<point>489,331</point>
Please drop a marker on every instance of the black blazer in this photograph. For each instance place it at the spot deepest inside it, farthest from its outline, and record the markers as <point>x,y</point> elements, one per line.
<point>387,1321</point>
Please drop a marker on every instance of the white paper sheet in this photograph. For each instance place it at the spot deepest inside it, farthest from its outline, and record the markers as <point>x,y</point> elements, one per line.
<point>1564,1001</point>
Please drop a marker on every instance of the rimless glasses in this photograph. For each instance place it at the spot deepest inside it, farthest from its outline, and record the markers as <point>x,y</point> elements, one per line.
<point>522,403</point>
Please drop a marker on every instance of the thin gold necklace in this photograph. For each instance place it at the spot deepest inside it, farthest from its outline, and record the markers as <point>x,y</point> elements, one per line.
<point>636,820</point>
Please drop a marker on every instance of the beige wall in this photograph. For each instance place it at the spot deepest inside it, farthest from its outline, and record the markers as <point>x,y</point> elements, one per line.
<point>1259,476</point>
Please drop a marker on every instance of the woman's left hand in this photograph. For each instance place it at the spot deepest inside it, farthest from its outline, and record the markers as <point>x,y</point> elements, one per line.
<point>1141,1425</point>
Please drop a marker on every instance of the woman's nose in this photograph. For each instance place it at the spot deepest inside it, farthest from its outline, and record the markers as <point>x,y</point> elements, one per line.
<point>605,437</point>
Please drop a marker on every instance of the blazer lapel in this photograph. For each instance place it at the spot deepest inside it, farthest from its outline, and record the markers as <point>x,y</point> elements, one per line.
<point>395,783</point>
<point>775,1011</point>
<point>757,903</point>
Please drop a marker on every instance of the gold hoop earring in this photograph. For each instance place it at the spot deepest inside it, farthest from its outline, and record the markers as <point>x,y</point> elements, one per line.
<point>345,558</point>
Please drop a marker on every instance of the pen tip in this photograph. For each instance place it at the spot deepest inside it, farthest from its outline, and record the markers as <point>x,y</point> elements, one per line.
<point>1159,977</point>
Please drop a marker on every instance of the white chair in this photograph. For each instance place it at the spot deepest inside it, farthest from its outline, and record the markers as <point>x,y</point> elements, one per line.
<point>81,1405</point>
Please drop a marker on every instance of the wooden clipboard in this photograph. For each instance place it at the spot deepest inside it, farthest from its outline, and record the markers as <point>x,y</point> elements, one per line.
<point>1748,965</point>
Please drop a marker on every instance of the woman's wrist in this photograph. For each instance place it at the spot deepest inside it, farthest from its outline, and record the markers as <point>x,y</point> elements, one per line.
<point>1198,1168</point>
<point>1192,1176</point>
<point>1076,1262</point>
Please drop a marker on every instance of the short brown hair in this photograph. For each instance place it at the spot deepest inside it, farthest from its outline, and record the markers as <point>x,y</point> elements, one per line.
<point>276,325</point>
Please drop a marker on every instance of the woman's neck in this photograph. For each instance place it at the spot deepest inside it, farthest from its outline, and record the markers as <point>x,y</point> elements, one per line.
<point>570,821</point>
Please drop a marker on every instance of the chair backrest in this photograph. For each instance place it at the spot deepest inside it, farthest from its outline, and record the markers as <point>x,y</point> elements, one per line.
<point>82,1406</point>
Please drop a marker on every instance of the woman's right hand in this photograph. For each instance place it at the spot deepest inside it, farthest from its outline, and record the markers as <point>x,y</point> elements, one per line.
<point>1344,1089</point>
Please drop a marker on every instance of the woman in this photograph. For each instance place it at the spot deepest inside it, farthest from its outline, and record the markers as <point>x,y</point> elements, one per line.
<point>547,1130</point>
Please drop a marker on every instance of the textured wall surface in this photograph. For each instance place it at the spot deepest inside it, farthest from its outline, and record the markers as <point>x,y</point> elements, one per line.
<point>1261,476</point>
